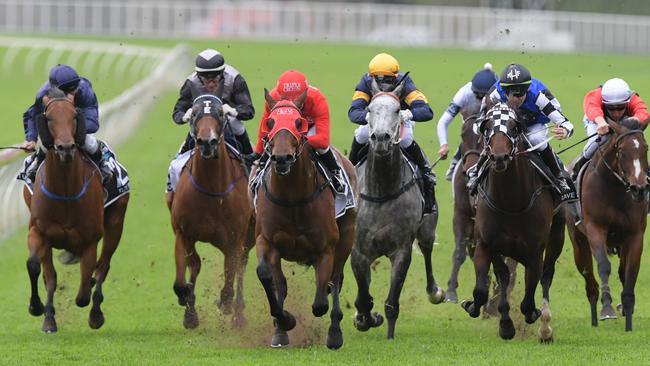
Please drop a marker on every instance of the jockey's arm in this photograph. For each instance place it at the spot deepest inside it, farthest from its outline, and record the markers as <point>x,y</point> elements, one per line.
<point>448,116</point>
<point>321,118</point>
<point>241,98</point>
<point>358,109</point>
<point>550,106</point>
<point>29,124</point>
<point>416,101</point>
<point>263,131</point>
<point>183,103</point>
<point>639,110</point>
<point>88,105</point>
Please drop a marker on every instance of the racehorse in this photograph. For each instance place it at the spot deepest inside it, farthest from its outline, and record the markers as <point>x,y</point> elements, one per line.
<point>295,221</point>
<point>210,204</point>
<point>463,220</point>
<point>614,205</point>
<point>67,212</point>
<point>390,215</point>
<point>514,218</point>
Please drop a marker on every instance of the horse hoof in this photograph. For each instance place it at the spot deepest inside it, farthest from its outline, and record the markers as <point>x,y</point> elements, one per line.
<point>288,324</point>
<point>319,310</point>
<point>506,329</point>
<point>546,335</point>
<point>82,301</point>
<point>280,339</point>
<point>470,308</point>
<point>224,306</point>
<point>96,319</point>
<point>364,322</point>
<point>239,321</point>
<point>607,312</point>
<point>36,308</point>
<point>533,316</point>
<point>334,338</point>
<point>451,296</point>
<point>49,325</point>
<point>191,318</point>
<point>619,308</point>
<point>437,296</point>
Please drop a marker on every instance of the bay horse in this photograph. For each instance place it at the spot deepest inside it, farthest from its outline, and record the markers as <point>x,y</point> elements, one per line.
<point>515,218</point>
<point>67,212</point>
<point>295,221</point>
<point>210,204</point>
<point>390,215</point>
<point>614,205</point>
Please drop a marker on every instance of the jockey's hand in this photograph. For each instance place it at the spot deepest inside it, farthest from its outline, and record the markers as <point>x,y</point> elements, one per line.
<point>251,158</point>
<point>29,145</point>
<point>443,151</point>
<point>229,111</point>
<point>406,115</point>
<point>560,133</point>
<point>187,116</point>
<point>367,118</point>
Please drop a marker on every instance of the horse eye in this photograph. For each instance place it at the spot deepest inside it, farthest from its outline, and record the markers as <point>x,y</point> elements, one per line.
<point>270,123</point>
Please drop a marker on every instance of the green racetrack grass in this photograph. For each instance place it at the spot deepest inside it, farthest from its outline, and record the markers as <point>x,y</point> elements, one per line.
<point>144,323</point>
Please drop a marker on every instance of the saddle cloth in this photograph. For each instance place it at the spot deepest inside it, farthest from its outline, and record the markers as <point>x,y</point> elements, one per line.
<point>114,188</point>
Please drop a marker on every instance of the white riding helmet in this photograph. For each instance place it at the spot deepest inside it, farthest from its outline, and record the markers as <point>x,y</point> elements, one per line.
<point>616,91</point>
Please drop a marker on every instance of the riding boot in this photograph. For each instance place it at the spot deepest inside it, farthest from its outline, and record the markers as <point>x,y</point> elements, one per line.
<point>187,145</point>
<point>98,158</point>
<point>356,151</point>
<point>332,165</point>
<point>452,164</point>
<point>568,192</point>
<point>36,161</point>
<point>577,166</point>
<point>473,174</point>
<point>428,177</point>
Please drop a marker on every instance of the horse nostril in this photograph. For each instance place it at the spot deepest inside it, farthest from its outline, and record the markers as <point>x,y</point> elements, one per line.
<point>385,137</point>
<point>214,141</point>
<point>373,137</point>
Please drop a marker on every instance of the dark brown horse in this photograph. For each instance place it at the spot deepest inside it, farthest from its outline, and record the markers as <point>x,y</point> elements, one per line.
<point>296,222</point>
<point>66,212</point>
<point>614,205</point>
<point>514,218</point>
<point>210,204</point>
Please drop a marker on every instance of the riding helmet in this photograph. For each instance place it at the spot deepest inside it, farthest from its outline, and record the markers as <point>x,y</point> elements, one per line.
<point>383,64</point>
<point>64,77</point>
<point>291,84</point>
<point>483,80</point>
<point>515,74</point>
<point>209,61</point>
<point>616,91</point>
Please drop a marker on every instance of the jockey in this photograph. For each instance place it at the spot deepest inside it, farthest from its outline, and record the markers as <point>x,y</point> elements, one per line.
<point>384,69</point>
<point>66,78</point>
<point>614,100</point>
<point>291,85</point>
<point>466,101</point>
<point>213,75</point>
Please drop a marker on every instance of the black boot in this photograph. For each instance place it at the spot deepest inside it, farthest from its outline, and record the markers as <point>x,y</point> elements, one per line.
<point>37,160</point>
<point>332,165</point>
<point>428,177</point>
<point>473,174</point>
<point>98,158</point>
<point>577,166</point>
<point>356,151</point>
<point>244,143</point>
<point>188,144</point>
<point>452,165</point>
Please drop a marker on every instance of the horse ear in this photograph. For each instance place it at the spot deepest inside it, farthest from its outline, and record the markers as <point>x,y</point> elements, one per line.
<point>269,99</point>
<point>301,99</point>
<point>374,87</point>
<point>270,123</point>
<point>44,131</point>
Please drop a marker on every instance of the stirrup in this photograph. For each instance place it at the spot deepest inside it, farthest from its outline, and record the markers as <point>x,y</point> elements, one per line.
<point>337,181</point>
<point>450,171</point>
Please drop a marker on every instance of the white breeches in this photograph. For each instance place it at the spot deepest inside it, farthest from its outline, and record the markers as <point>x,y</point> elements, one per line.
<point>362,134</point>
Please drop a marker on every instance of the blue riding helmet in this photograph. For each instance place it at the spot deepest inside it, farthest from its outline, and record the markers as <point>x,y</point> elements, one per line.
<point>483,81</point>
<point>64,77</point>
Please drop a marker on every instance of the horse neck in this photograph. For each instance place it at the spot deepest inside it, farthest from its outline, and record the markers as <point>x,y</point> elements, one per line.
<point>299,183</point>
<point>63,179</point>
<point>606,155</point>
<point>384,173</point>
<point>213,174</point>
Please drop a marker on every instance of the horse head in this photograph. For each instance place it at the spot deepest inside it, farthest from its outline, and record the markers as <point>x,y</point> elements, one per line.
<point>501,132</point>
<point>287,131</point>
<point>384,123</point>
<point>207,125</point>
<point>631,154</point>
<point>62,125</point>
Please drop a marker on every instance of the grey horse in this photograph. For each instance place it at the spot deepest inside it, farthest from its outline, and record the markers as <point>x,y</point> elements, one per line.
<point>390,215</point>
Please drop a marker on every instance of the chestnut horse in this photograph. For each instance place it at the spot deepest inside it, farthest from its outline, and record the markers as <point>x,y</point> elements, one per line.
<point>210,204</point>
<point>514,218</point>
<point>295,221</point>
<point>614,205</point>
<point>66,212</point>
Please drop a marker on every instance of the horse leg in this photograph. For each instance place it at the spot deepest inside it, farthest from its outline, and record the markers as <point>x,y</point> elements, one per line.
<point>598,245</point>
<point>364,318</point>
<point>239,320</point>
<point>400,265</point>
<point>527,306</point>
<point>113,226</point>
<point>492,306</point>
<point>334,334</point>
<point>551,254</point>
<point>482,259</point>
<point>268,270</point>
<point>632,254</point>
<point>584,264</point>
<point>435,294</point>
<point>87,267</point>
<point>324,267</point>
<point>230,264</point>
<point>463,233</point>
<point>191,317</point>
<point>36,252</point>
<point>502,274</point>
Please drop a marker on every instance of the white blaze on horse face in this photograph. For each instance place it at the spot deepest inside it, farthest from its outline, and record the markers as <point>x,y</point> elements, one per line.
<point>636,143</point>
<point>637,168</point>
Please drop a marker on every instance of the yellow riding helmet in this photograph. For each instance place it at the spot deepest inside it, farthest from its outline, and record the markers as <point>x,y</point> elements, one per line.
<point>383,64</point>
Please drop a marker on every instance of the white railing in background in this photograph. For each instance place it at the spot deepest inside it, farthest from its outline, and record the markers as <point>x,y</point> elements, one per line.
<point>409,25</point>
<point>119,116</point>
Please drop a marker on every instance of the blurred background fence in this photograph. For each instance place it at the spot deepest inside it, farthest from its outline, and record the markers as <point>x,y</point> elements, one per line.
<point>391,24</point>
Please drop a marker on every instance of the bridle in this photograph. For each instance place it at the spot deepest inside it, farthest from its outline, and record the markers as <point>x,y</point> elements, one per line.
<point>622,177</point>
<point>398,137</point>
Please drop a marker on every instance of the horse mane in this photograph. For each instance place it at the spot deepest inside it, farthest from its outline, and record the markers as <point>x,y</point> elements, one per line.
<point>55,92</point>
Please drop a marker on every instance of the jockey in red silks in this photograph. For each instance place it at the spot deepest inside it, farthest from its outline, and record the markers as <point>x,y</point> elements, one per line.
<point>315,110</point>
<point>616,101</point>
